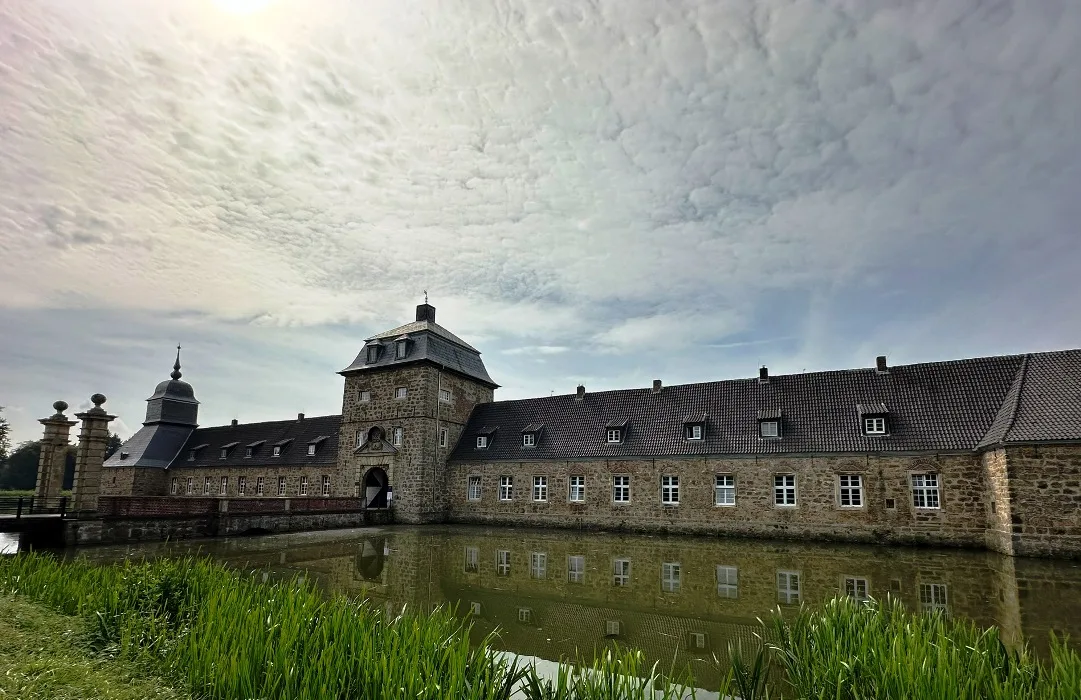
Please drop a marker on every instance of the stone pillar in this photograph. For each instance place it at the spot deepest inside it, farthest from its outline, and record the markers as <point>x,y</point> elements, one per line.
<point>54,451</point>
<point>93,437</point>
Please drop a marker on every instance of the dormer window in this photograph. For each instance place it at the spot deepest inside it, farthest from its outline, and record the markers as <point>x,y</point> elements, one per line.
<point>373,353</point>
<point>313,446</point>
<point>249,449</point>
<point>311,450</point>
<point>616,431</point>
<point>531,434</point>
<point>224,453</point>
<point>694,427</point>
<point>225,449</point>
<point>874,419</point>
<point>482,442</point>
<point>615,435</point>
<point>193,454</point>
<point>769,424</point>
<point>277,452</point>
<point>484,437</point>
<point>247,452</point>
<point>401,348</point>
<point>529,439</point>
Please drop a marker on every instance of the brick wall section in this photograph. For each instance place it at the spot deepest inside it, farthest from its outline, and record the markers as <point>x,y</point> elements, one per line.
<point>1045,493</point>
<point>961,519</point>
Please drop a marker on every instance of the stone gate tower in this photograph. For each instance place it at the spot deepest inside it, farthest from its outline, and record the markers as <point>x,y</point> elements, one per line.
<point>407,398</point>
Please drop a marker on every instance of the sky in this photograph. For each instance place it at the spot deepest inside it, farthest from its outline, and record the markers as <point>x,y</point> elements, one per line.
<point>604,192</point>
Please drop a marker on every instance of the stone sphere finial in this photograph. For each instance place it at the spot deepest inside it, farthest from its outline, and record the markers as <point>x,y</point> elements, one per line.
<point>60,406</point>
<point>97,400</point>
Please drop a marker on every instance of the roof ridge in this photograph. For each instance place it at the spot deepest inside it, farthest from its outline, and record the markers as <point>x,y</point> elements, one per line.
<point>270,422</point>
<point>1022,373</point>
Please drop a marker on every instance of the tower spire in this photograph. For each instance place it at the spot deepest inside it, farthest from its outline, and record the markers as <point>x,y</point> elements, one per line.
<point>176,365</point>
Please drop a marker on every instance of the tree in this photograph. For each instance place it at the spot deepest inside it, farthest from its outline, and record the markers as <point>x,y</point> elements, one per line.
<point>5,438</point>
<point>21,469</point>
<point>112,445</point>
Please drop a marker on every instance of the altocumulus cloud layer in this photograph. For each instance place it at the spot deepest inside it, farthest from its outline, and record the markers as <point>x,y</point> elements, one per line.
<point>605,191</point>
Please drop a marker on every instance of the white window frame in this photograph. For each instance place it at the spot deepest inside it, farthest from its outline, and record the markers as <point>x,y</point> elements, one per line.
<point>670,490</point>
<point>502,562</point>
<point>506,488</point>
<point>174,486</point>
<point>482,442</point>
<point>398,436</point>
<point>576,568</point>
<point>445,396</point>
<point>724,490</point>
<point>671,577</point>
<point>769,432</point>
<point>695,431</point>
<point>224,487</point>
<point>850,491</point>
<point>576,488</point>
<point>525,615</point>
<point>248,451</point>
<point>472,488</point>
<point>926,491</point>
<point>365,396</point>
<point>472,560</point>
<point>326,485</point>
<point>934,597</point>
<point>277,451</point>
<point>241,485</point>
<point>621,489</point>
<point>191,486</point>
<point>529,440</point>
<point>400,349</point>
<point>614,435</point>
<point>612,628</point>
<point>206,485</point>
<point>224,453</point>
<point>874,425</point>
<point>311,449</point>
<point>281,485</point>
<point>621,573</point>
<point>727,581</point>
<point>540,489</point>
<point>788,587</point>
<point>857,588</point>
<point>784,491</point>
<point>401,392</point>
<point>258,486</point>
<point>303,489</point>
<point>538,565</point>
<point>443,437</point>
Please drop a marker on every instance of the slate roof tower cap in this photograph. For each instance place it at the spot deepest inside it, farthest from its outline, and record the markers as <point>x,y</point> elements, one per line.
<point>426,312</point>
<point>880,365</point>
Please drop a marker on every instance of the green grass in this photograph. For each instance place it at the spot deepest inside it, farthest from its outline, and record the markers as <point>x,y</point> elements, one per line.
<point>44,654</point>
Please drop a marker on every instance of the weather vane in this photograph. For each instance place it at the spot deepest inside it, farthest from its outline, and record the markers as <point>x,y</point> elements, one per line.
<point>425,296</point>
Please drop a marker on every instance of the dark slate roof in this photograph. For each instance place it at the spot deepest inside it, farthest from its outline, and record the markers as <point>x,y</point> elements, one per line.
<point>294,435</point>
<point>1043,403</point>
<point>936,406</point>
<point>432,327</point>
<point>153,445</point>
<point>429,342</point>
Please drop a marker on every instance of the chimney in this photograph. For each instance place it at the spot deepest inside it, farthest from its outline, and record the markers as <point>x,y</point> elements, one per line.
<point>656,386</point>
<point>763,375</point>
<point>235,422</point>
<point>300,416</point>
<point>880,365</point>
<point>426,312</point>
<point>581,393</point>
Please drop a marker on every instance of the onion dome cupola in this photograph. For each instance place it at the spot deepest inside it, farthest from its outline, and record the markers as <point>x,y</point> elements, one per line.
<point>173,400</point>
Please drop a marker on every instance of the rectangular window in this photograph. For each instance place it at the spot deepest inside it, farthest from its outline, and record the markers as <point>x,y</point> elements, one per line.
<point>577,489</point>
<point>365,396</point>
<point>925,490</point>
<point>191,489</point>
<point>788,587</point>
<point>472,560</point>
<point>613,434</point>
<point>277,451</point>
<point>303,490</point>
<point>670,490</point>
<point>311,449</point>
<point>621,489</point>
<point>502,563</point>
<point>538,565</point>
<point>281,485</point>
<point>258,486</point>
<point>326,485</point>
<point>694,432</point>
<point>874,426</point>
<point>223,454</point>
<point>525,615</point>
<point>174,486</point>
<point>611,628</point>
<point>206,485</point>
<point>191,455</point>
<point>443,437</point>
<point>473,488</point>
<point>482,442</point>
<point>241,485</point>
<point>856,588</point>
<point>506,488</point>
<point>399,435</point>
<point>851,494</point>
<point>529,439</point>
<point>399,349</point>
<point>933,597</point>
<point>360,438</point>
<point>576,568</point>
<point>769,429</point>
<point>724,490</point>
<point>247,453</point>
<point>224,486</point>
<point>670,577</point>
<point>540,488</point>
<point>784,489</point>
<point>444,395</point>
<point>401,392</point>
<point>727,582</point>
<point>621,572</point>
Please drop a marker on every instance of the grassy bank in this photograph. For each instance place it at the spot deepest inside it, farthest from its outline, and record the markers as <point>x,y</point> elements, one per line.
<point>217,634</point>
<point>45,655</point>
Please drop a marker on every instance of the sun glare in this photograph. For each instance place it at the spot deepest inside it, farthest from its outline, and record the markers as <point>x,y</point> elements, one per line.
<point>242,7</point>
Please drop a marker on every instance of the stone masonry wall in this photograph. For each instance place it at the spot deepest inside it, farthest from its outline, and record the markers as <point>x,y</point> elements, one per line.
<point>1045,496</point>
<point>960,520</point>
<point>269,472</point>
<point>999,510</point>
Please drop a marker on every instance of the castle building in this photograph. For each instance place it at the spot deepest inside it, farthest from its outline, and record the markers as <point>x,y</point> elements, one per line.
<point>982,452</point>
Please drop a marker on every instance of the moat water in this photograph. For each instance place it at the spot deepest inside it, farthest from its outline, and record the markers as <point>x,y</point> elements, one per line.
<point>558,594</point>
